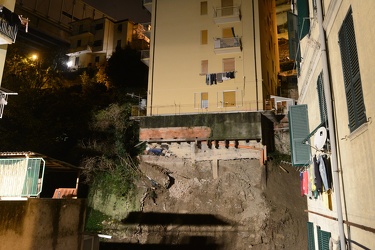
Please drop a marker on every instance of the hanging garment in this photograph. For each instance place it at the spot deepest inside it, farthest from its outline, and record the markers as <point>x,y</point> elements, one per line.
<point>301,183</point>
<point>317,178</point>
<point>208,79</point>
<point>219,77</point>
<point>213,79</point>
<point>311,185</point>
<point>327,200</point>
<point>305,184</point>
<point>327,164</point>
<point>323,173</point>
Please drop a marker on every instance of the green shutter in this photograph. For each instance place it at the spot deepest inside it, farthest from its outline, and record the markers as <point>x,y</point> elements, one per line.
<point>299,130</point>
<point>310,236</point>
<point>322,100</point>
<point>294,50</point>
<point>351,72</point>
<point>323,239</point>
<point>303,18</point>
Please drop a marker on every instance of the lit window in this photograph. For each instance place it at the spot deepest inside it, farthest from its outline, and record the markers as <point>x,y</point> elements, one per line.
<point>204,67</point>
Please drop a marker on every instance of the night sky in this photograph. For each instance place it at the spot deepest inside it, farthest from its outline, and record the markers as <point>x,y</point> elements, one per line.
<point>122,9</point>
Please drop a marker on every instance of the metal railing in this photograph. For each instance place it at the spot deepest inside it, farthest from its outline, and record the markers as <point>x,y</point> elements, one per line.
<point>227,11</point>
<point>229,42</point>
<point>147,1</point>
<point>9,22</point>
<point>21,177</point>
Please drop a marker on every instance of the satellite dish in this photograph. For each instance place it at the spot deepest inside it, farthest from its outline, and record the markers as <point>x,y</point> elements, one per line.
<point>320,138</point>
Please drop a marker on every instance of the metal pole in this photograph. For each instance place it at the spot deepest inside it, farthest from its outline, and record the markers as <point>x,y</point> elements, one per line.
<point>331,130</point>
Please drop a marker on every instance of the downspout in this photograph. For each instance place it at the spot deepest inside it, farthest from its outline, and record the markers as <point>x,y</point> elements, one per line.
<point>332,136</point>
<point>255,61</point>
<point>153,57</point>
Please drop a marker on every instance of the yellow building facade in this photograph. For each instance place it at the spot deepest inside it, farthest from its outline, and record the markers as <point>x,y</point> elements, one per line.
<point>211,56</point>
<point>345,214</point>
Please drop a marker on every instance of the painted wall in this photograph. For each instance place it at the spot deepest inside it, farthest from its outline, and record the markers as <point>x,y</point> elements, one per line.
<point>175,78</point>
<point>355,149</point>
<point>42,224</point>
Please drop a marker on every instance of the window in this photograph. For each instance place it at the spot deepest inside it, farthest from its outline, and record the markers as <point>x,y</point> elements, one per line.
<point>227,6</point>
<point>97,59</point>
<point>204,8</point>
<point>119,28</point>
<point>204,37</point>
<point>201,100</point>
<point>118,43</point>
<point>80,28</point>
<point>204,67</point>
<point>99,26</point>
<point>76,62</point>
<point>229,98</point>
<point>79,43</point>
<point>352,76</point>
<point>228,64</point>
<point>322,100</point>
<point>98,43</point>
<point>204,100</point>
<point>228,32</point>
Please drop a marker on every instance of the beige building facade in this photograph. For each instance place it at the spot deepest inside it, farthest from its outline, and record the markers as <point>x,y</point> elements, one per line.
<point>343,214</point>
<point>211,56</point>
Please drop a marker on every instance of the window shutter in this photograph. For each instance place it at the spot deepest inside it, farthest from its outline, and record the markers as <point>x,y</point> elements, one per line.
<point>294,51</point>
<point>322,100</point>
<point>323,239</point>
<point>303,18</point>
<point>310,236</point>
<point>299,130</point>
<point>351,73</point>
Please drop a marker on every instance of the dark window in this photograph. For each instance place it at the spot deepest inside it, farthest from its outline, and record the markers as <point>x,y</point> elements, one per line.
<point>98,43</point>
<point>322,100</point>
<point>76,61</point>
<point>79,43</point>
<point>80,28</point>
<point>99,26</point>
<point>97,59</point>
<point>118,43</point>
<point>352,76</point>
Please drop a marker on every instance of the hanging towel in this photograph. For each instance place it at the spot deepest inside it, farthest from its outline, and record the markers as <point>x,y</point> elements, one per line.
<point>219,77</point>
<point>301,183</point>
<point>305,184</point>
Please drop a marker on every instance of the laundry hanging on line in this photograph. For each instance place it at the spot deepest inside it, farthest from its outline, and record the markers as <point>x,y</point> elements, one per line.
<point>215,78</point>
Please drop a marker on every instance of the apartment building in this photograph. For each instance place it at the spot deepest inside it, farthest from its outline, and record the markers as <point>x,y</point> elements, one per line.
<point>219,56</point>
<point>93,41</point>
<point>332,133</point>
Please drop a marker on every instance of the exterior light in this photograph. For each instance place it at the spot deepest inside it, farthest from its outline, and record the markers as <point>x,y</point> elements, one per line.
<point>69,64</point>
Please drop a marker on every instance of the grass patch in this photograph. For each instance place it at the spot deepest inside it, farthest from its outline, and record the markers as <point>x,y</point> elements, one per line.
<point>94,219</point>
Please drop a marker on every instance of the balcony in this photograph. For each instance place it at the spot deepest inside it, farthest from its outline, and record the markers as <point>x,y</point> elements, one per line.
<point>9,23</point>
<point>148,5</point>
<point>145,56</point>
<point>21,177</point>
<point>80,50</point>
<point>147,30</point>
<point>227,45</point>
<point>226,15</point>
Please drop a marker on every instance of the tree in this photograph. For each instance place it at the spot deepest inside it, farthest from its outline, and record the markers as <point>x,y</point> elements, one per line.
<point>126,71</point>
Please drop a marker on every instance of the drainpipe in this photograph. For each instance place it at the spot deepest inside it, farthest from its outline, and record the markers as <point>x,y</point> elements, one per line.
<point>255,57</point>
<point>331,130</point>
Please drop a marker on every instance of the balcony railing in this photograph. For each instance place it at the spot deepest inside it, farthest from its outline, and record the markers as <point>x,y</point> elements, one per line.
<point>21,177</point>
<point>9,23</point>
<point>227,45</point>
<point>145,56</point>
<point>147,29</point>
<point>148,5</point>
<point>227,15</point>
